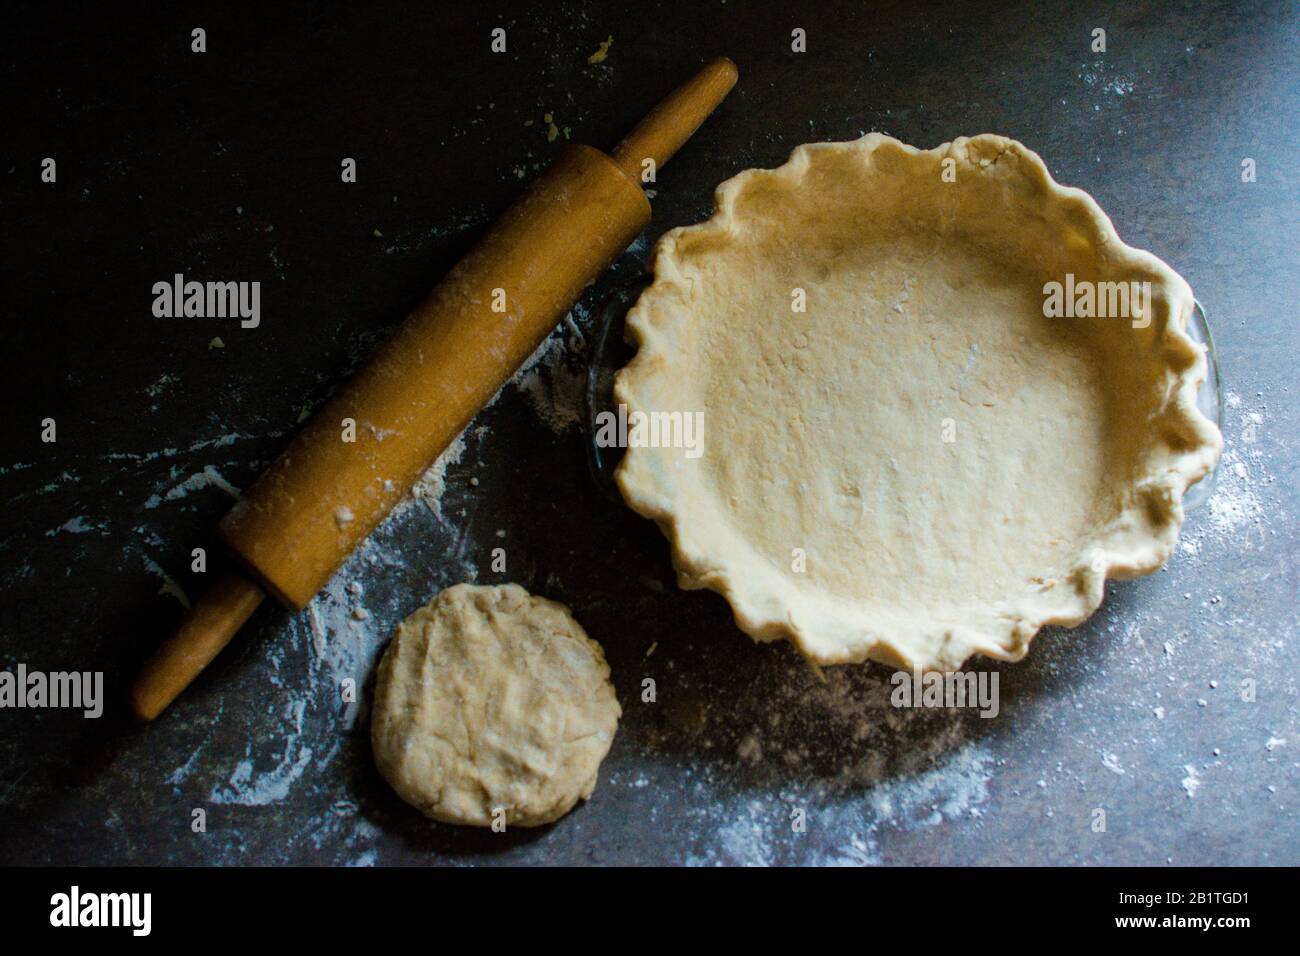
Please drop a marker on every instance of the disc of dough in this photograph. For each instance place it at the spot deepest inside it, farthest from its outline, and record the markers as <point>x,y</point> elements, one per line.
<point>492,702</point>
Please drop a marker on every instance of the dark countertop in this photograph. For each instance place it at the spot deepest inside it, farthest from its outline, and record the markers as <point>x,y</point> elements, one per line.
<point>225,165</point>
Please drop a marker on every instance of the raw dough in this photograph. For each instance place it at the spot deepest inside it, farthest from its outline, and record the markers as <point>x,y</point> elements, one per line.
<point>489,698</point>
<point>953,469</point>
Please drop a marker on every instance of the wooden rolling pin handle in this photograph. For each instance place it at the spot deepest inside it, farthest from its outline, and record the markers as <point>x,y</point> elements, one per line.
<point>673,121</point>
<point>207,628</point>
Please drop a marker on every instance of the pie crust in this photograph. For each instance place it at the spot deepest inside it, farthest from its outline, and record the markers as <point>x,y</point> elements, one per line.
<point>921,465</point>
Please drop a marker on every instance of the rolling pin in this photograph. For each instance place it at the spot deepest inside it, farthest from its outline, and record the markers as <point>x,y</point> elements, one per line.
<point>357,457</point>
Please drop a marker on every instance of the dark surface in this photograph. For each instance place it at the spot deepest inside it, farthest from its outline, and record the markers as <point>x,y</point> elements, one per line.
<point>226,166</point>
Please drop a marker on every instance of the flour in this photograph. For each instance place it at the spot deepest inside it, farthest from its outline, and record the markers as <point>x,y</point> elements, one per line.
<point>169,586</point>
<point>78,525</point>
<point>162,384</point>
<point>1097,77</point>
<point>417,240</point>
<point>343,642</point>
<point>554,378</point>
<point>271,786</point>
<point>221,441</point>
<point>955,788</point>
<point>747,840</point>
<point>329,649</point>
<point>209,477</point>
<point>834,754</point>
<point>432,484</point>
<point>1235,511</point>
<point>1235,505</point>
<point>762,832</point>
<point>319,637</point>
<point>249,787</point>
<point>181,773</point>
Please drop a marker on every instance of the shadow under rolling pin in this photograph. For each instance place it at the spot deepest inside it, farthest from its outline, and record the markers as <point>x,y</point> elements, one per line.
<point>297,524</point>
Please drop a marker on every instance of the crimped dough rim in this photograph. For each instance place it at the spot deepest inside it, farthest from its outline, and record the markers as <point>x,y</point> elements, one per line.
<point>827,635</point>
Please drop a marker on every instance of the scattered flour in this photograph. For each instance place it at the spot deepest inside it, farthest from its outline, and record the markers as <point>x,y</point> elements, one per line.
<point>953,789</point>
<point>1235,505</point>
<point>339,646</point>
<point>169,586</point>
<point>164,382</point>
<point>319,636</point>
<point>1235,512</point>
<point>209,477</point>
<point>78,525</point>
<point>1111,763</point>
<point>831,751</point>
<point>248,787</point>
<point>1096,77</point>
<point>271,786</point>
<point>554,378</point>
<point>432,484</point>
<point>182,773</point>
<point>746,840</point>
